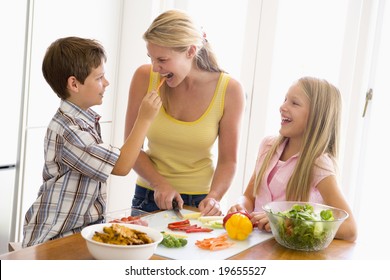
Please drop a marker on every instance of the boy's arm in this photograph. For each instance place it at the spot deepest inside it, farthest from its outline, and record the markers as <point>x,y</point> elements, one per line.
<point>149,108</point>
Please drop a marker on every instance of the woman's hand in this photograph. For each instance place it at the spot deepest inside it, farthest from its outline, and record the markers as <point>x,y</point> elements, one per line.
<point>210,207</point>
<point>164,194</point>
<point>260,220</point>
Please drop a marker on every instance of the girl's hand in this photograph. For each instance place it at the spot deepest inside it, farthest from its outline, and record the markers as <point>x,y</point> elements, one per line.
<point>260,220</point>
<point>236,208</point>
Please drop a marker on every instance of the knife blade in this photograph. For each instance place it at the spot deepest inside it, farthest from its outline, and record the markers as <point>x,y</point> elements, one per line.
<point>176,209</point>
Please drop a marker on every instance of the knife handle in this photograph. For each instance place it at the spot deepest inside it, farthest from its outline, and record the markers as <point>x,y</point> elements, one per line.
<point>175,204</point>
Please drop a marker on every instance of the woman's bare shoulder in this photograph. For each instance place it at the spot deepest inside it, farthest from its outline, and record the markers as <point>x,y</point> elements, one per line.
<point>143,71</point>
<point>140,81</point>
<point>235,92</point>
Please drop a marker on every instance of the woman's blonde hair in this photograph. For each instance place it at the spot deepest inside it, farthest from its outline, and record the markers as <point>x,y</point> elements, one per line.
<point>175,29</point>
<point>321,136</point>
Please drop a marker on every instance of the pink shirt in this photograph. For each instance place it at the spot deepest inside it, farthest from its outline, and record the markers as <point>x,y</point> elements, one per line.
<point>274,183</point>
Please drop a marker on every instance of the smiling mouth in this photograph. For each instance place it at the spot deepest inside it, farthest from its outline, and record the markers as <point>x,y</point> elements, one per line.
<point>286,120</point>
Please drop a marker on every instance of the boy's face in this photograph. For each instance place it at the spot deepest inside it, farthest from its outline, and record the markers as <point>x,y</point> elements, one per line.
<point>91,92</point>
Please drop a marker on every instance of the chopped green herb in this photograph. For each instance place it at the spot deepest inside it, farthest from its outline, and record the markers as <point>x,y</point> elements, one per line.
<point>171,241</point>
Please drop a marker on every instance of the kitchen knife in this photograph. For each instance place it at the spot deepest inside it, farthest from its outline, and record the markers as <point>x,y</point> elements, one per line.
<point>176,209</point>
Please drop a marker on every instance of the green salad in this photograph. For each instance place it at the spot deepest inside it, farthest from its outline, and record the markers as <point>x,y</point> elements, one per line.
<point>301,231</point>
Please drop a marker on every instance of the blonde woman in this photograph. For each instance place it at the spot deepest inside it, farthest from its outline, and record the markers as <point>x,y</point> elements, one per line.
<point>201,103</point>
<point>300,164</point>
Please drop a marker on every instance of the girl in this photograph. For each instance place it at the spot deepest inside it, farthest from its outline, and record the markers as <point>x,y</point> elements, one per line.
<point>300,164</point>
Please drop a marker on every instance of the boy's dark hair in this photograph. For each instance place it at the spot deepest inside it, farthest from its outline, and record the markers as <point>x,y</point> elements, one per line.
<point>71,56</point>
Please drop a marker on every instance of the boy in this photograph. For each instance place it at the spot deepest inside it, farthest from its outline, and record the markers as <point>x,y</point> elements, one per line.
<point>77,162</point>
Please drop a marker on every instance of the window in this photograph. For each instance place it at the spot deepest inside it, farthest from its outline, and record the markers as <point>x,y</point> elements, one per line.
<point>372,183</point>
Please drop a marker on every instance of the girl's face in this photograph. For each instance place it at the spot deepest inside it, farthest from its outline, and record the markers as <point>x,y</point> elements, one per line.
<point>294,113</point>
<point>170,63</point>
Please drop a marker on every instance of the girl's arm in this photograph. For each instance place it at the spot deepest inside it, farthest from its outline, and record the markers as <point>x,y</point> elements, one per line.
<point>332,196</point>
<point>246,202</point>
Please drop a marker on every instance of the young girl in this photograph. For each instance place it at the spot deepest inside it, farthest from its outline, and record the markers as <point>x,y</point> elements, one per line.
<point>300,164</point>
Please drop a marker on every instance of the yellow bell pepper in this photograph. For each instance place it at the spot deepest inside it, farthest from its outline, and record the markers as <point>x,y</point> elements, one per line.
<point>238,226</point>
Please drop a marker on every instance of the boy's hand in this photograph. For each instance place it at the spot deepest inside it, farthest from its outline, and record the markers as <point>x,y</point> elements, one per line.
<point>150,106</point>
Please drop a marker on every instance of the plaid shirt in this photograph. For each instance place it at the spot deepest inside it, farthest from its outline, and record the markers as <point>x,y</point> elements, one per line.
<point>77,166</point>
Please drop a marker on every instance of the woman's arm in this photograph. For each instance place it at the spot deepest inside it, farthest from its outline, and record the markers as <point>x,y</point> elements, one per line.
<point>143,166</point>
<point>228,140</point>
<point>332,196</point>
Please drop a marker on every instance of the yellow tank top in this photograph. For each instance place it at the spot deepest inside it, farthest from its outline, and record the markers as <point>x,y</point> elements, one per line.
<point>182,151</point>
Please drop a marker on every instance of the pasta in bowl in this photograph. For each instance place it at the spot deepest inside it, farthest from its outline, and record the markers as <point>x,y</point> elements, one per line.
<point>116,241</point>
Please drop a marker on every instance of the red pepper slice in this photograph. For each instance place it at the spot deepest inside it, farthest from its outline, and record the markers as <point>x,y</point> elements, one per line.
<point>187,227</point>
<point>184,222</point>
<point>199,229</point>
<point>180,224</point>
<point>182,227</point>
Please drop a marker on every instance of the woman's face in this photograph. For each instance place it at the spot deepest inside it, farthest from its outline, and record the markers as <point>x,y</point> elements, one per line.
<point>294,113</point>
<point>170,63</point>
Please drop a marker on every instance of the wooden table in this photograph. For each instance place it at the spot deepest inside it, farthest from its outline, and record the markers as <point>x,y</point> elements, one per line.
<point>74,248</point>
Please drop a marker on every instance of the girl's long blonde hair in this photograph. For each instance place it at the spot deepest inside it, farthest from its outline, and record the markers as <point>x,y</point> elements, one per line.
<point>321,136</point>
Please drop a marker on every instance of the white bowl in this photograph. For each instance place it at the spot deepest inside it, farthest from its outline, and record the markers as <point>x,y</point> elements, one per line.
<point>103,251</point>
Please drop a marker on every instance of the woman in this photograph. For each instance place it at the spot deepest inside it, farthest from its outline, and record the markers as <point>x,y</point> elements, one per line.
<point>200,104</point>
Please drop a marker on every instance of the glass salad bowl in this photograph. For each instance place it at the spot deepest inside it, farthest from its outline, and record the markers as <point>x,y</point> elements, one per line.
<point>304,226</point>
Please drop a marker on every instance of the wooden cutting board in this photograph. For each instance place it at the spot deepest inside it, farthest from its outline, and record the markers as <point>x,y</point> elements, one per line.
<point>160,221</point>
